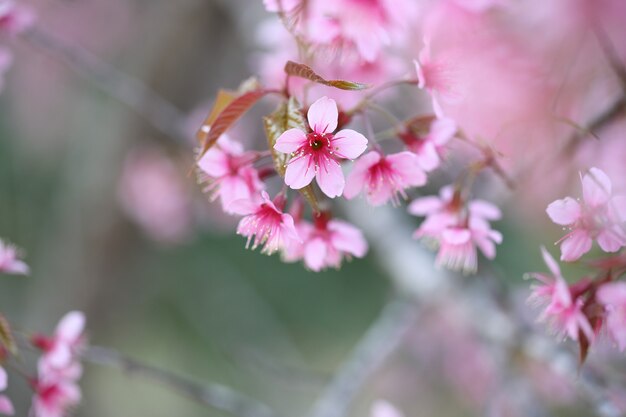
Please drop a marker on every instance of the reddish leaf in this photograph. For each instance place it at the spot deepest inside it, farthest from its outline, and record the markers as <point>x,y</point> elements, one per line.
<point>229,115</point>
<point>306,72</point>
<point>223,99</point>
<point>6,335</point>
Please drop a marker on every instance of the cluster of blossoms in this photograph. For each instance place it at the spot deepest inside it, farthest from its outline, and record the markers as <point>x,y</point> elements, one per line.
<point>55,385</point>
<point>15,18</point>
<point>582,309</point>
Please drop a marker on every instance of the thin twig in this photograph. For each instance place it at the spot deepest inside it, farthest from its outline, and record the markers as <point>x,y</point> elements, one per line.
<point>159,112</point>
<point>212,395</point>
<point>380,341</point>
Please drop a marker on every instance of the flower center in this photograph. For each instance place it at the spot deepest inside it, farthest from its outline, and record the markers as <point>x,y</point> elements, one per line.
<point>317,141</point>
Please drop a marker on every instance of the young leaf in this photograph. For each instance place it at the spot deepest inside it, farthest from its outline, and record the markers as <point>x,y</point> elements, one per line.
<point>306,72</point>
<point>6,335</point>
<point>229,115</point>
<point>223,99</point>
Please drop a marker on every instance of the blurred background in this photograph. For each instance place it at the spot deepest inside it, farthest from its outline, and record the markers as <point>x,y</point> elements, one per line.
<point>108,212</point>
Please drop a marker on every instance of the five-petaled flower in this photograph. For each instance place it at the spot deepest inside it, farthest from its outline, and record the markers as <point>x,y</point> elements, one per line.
<point>600,216</point>
<point>317,154</point>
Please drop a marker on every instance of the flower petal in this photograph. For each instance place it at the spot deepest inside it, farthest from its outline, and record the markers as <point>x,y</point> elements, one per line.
<point>564,212</point>
<point>347,238</point>
<point>6,406</point>
<point>425,205</point>
<point>575,245</point>
<point>315,254</point>
<point>359,174</point>
<point>596,187</point>
<point>71,326</point>
<point>323,115</point>
<point>300,172</point>
<point>485,210</point>
<point>553,266</point>
<point>290,141</point>
<point>407,167</point>
<point>348,144</point>
<point>330,178</point>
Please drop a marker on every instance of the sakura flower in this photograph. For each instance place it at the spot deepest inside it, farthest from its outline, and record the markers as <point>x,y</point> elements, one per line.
<point>431,148</point>
<point>457,228</point>
<point>600,216</point>
<point>326,243</point>
<point>6,406</point>
<point>317,154</point>
<point>54,397</point>
<point>59,351</point>
<point>15,18</point>
<point>563,309</point>
<point>9,261</point>
<point>437,77</point>
<point>384,177</point>
<point>229,173</point>
<point>613,297</point>
<point>382,408</point>
<point>265,222</point>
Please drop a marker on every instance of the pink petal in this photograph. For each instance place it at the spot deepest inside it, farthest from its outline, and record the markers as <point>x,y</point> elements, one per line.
<point>243,207</point>
<point>315,254</point>
<point>323,115</point>
<point>610,240</point>
<point>348,238</point>
<point>60,356</point>
<point>6,406</point>
<point>384,409</point>
<point>618,204</point>
<point>442,130</point>
<point>575,245</point>
<point>290,141</point>
<point>553,266</point>
<point>71,326</point>
<point>214,163</point>
<point>289,230</point>
<point>359,174</point>
<point>349,144</point>
<point>596,187</point>
<point>425,205</point>
<point>406,165</point>
<point>456,236</point>
<point>484,210</point>
<point>487,247</point>
<point>330,178</point>
<point>300,172</point>
<point>233,188</point>
<point>428,157</point>
<point>3,379</point>
<point>612,294</point>
<point>564,212</point>
<point>17,267</point>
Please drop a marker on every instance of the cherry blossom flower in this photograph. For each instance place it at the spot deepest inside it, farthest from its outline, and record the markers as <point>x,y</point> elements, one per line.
<point>317,154</point>
<point>382,408</point>
<point>384,177</point>
<point>6,406</point>
<point>9,261</point>
<point>437,77</point>
<point>562,309</point>
<point>613,296</point>
<point>430,149</point>
<point>229,173</point>
<point>326,243</point>
<point>457,228</point>
<point>266,222</point>
<point>15,18</point>
<point>54,397</point>
<point>600,216</point>
<point>59,351</point>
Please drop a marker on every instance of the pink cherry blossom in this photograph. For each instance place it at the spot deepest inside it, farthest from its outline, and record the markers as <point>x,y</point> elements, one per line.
<point>613,296</point>
<point>9,261</point>
<point>54,397</point>
<point>265,222</point>
<point>326,243</point>
<point>60,350</point>
<point>6,406</point>
<point>437,77</point>
<point>382,408</point>
<point>562,309</point>
<point>229,173</point>
<point>317,154</point>
<point>457,228</point>
<point>430,149</point>
<point>384,177</point>
<point>15,18</point>
<point>600,216</point>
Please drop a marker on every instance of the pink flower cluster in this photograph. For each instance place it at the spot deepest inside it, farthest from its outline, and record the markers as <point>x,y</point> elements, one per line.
<point>59,369</point>
<point>457,227</point>
<point>15,18</point>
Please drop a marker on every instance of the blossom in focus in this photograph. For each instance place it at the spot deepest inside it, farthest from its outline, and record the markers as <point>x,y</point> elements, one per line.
<point>317,154</point>
<point>266,223</point>
<point>457,228</point>
<point>600,216</point>
<point>430,149</point>
<point>228,172</point>
<point>326,243</point>
<point>562,308</point>
<point>6,406</point>
<point>60,350</point>
<point>436,76</point>
<point>382,408</point>
<point>15,18</point>
<point>384,177</point>
<point>613,296</point>
<point>9,260</point>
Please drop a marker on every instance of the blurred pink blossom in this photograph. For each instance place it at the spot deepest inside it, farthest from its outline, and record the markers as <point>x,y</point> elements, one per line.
<point>384,177</point>
<point>613,296</point>
<point>15,17</point>
<point>430,149</point>
<point>601,216</point>
<point>317,154</point>
<point>9,261</point>
<point>6,406</point>
<point>382,408</point>
<point>60,350</point>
